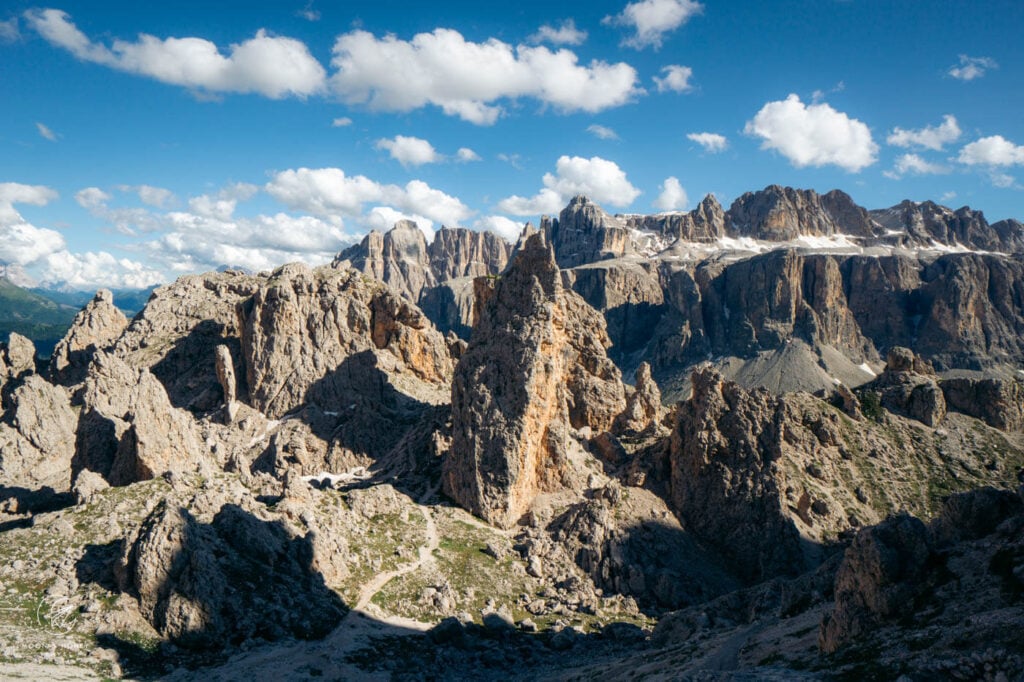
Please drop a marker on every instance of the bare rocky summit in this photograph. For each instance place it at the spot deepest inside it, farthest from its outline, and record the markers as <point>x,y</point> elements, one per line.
<point>535,369</point>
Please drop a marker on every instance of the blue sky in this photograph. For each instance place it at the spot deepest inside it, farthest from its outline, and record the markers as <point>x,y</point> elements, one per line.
<point>141,141</point>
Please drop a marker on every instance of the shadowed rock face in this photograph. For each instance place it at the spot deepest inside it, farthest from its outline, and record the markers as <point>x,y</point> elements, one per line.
<point>237,578</point>
<point>535,368</point>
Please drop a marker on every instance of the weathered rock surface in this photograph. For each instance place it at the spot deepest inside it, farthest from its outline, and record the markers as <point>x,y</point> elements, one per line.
<point>782,214</point>
<point>706,223</point>
<point>175,335</point>
<point>129,431</point>
<point>908,386</point>
<point>234,579</point>
<point>998,402</point>
<point>37,438</point>
<point>17,359</point>
<point>534,369</point>
<point>926,223</point>
<point>96,327</point>
<point>972,556</point>
<point>644,410</point>
<point>402,259</point>
<point>585,233</point>
<point>326,336</point>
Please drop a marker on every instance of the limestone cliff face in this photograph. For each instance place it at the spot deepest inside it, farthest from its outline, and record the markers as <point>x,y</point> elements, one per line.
<point>457,252</point>
<point>436,276</point>
<point>304,332</point>
<point>398,258</point>
<point>706,223</point>
<point>95,327</point>
<point>926,223</point>
<point>534,369</point>
<point>783,213</point>
<point>585,233</point>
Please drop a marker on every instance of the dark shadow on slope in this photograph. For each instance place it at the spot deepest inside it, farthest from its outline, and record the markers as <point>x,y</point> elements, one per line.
<point>361,414</point>
<point>19,500</point>
<point>188,371</point>
<point>208,588</point>
<point>657,563</point>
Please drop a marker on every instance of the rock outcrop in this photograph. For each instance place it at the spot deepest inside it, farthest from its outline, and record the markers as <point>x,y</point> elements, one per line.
<point>326,336</point>
<point>37,438</point>
<point>783,214</point>
<point>402,259</point>
<point>17,358</point>
<point>644,410</point>
<point>999,402</point>
<point>585,233</point>
<point>534,369</point>
<point>128,430</point>
<point>908,386</point>
<point>96,327</point>
<point>967,560</point>
<point>234,579</point>
<point>927,223</point>
<point>176,334</point>
<point>706,223</point>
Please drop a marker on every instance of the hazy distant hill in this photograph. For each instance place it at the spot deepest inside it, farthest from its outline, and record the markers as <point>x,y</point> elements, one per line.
<point>33,315</point>
<point>129,301</point>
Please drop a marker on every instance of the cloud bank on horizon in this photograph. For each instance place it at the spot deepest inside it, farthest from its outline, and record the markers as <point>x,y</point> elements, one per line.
<point>289,134</point>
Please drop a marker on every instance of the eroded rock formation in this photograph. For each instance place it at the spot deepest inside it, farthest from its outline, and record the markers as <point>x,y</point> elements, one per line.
<point>534,369</point>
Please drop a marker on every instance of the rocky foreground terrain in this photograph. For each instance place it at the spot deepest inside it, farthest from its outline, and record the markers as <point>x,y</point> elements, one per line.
<point>779,441</point>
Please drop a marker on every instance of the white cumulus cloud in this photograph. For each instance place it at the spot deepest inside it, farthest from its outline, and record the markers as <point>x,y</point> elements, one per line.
<point>813,135</point>
<point>915,165</point>
<point>929,137</point>
<point>468,79</point>
<point>565,34</point>
<point>22,243</point>
<point>329,193</point>
<point>465,155</point>
<point>272,66</point>
<point>676,78</point>
<point>711,142</point>
<point>672,197</point>
<point>650,20</point>
<point>342,122</point>
<point>409,151</point>
<point>504,227</point>
<point>599,179</point>
<point>970,68</point>
<point>995,150</point>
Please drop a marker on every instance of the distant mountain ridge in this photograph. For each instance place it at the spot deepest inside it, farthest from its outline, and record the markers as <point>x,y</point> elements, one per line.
<point>788,288</point>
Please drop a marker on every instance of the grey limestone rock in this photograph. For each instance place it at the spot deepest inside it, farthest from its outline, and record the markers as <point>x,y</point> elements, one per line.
<point>95,327</point>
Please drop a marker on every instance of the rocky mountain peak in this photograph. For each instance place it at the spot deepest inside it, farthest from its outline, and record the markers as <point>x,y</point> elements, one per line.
<point>534,369</point>
<point>585,233</point>
<point>95,327</point>
<point>779,213</point>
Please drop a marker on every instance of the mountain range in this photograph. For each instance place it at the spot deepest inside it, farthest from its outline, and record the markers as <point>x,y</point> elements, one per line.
<point>779,441</point>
